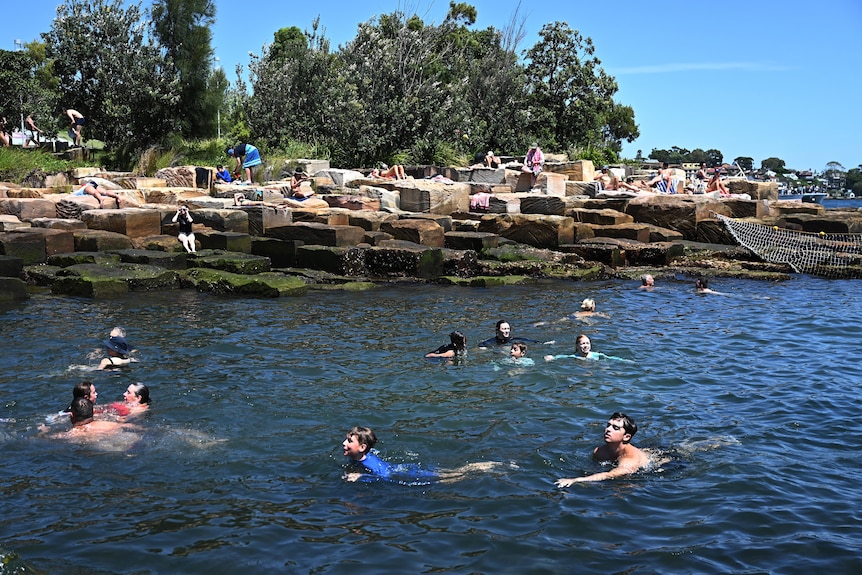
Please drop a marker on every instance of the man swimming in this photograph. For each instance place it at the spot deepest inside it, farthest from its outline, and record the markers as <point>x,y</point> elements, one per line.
<point>617,449</point>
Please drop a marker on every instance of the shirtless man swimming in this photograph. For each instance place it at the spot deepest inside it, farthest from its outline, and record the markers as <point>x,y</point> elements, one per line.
<point>617,448</point>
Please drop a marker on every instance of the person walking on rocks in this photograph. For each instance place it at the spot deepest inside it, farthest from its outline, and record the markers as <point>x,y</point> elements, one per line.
<point>76,119</point>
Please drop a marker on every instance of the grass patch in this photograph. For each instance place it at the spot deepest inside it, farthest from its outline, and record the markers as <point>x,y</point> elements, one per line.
<point>16,164</point>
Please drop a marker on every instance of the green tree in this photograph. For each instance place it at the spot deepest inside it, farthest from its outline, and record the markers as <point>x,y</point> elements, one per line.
<point>28,86</point>
<point>774,164</point>
<point>109,68</point>
<point>183,27</point>
<point>744,162</point>
<point>291,85</point>
<point>571,96</point>
<point>854,180</point>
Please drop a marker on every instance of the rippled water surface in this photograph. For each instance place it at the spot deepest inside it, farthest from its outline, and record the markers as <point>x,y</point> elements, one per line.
<point>754,396</point>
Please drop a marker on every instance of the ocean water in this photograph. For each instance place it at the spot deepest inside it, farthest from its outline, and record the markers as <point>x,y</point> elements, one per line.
<point>753,397</point>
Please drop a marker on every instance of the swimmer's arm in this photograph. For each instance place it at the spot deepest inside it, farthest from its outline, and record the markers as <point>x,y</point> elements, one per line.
<point>553,357</point>
<point>448,353</point>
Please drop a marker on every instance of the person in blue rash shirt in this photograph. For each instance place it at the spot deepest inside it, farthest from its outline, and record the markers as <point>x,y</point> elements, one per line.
<point>366,466</point>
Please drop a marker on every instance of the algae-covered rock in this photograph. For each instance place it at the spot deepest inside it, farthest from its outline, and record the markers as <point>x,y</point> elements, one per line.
<point>92,280</point>
<point>41,275</point>
<point>348,286</point>
<point>74,258</point>
<point>261,285</point>
<point>485,281</point>
<point>234,262</point>
<point>167,260</point>
<point>12,289</point>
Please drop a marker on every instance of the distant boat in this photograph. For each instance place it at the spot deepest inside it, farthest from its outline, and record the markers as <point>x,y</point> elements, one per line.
<point>807,197</point>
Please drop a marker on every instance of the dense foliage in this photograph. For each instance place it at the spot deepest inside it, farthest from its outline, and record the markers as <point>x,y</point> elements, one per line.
<point>678,155</point>
<point>111,70</point>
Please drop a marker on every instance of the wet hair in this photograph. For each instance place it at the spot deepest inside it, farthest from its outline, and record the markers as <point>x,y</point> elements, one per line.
<point>588,304</point>
<point>702,283</point>
<point>582,337</point>
<point>499,323</point>
<point>645,279</point>
<point>458,339</point>
<point>628,423</point>
<point>141,391</point>
<point>363,435</point>
<point>82,409</point>
<point>522,347</point>
<point>82,389</point>
<point>118,332</point>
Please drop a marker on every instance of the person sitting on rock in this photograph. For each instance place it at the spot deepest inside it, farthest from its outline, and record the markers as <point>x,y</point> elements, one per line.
<point>223,175</point>
<point>296,190</point>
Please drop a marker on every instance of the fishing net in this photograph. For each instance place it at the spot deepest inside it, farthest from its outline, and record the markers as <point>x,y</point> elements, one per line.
<point>825,255</point>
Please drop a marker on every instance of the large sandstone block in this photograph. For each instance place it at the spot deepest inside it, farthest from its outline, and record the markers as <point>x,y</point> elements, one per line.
<point>589,189</point>
<point>433,197</point>
<point>422,232</point>
<point>9,223</point>
<point>312,233</point>
<point>232,261</point>
<point>224,220</point>
<point>35,245</point>
<point>59,223</point>
<point>28,208</point>
<point>602,217</point>
<point>547,232</point>
<point>578,171</point>
<point>157,258</point>
<point>261,218</point>
<point>140,182</point>
<point>369,221</point>
<point>397,258</point>
<point>482,175</point>
<point>627,231</point>
<point>542,204</point>
<point>339,177</point>
<point>282,253</point>
<point>476,241</point>
<point>757,190</point>
<point>339,261</point>
<point>11,266</point>
<point>389,199</point>
<point>443,221</point>
<point>168,195</point>
<point>178,176</point>
<point>100,241</point>
<point>227,241</point>
<point>547,182</point>
<point>131,222</point>
<point>672,212</point>
<point>352,202</point>
<point>13,289</point>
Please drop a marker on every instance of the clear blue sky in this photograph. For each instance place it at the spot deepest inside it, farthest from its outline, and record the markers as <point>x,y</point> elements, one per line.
<point>754,78</point>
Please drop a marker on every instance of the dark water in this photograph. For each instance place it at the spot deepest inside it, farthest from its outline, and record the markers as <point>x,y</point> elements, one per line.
<point>754,395</point>
<point>854,203</point>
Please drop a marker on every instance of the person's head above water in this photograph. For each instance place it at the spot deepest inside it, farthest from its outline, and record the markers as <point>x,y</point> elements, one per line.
<point>588,305</point>
<point>647,280</point>
<point>358,442</point>
<point>503,329</point>
<point>583,345</point>
<point>137,393</point>
<point>518,350</point>
<point>118,345</point>
<point>458,339</point>
<point>701,284</point>
<point>85,389</point>
<point>81,411</point>
<point>617,420</point>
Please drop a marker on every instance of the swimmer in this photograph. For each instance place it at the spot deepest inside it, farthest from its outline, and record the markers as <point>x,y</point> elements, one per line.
<point>456,348</point>
<point>85,389</point>
<point>647,282</point>
<point>503,336</point>
<point>136,399</point>
<point>518,354</point>
<point>86,428</point>
<point>583,350</point>
<point>617,449</point>
<point>367,466</point>
<point>118,350</point>
<point>588,309</point>
<point>702,286</point>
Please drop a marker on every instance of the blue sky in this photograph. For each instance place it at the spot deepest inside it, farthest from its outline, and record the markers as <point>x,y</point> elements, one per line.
<point>754,78</point>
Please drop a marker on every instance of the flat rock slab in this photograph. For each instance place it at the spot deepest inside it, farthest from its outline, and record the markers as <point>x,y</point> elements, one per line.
<point>225,241</point>
<point>75,258</point>
<point>602,217</point>
<point>312,233</point>
<point>93,280</point>
<point>281,253</point>
<point>423,196</point>
<point>238,263</point>
<point>424,232</point>
<point>11,266</point>
<point>35,245</point>
<point>100,241</point>
<point>476,241</point>
<point>335,260</point>
<point>28,208</point>
<point>13,289</point>
<point>161,259</point>
<point>264,285</point>
<point>547,232</point>
<point>131,222</point>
